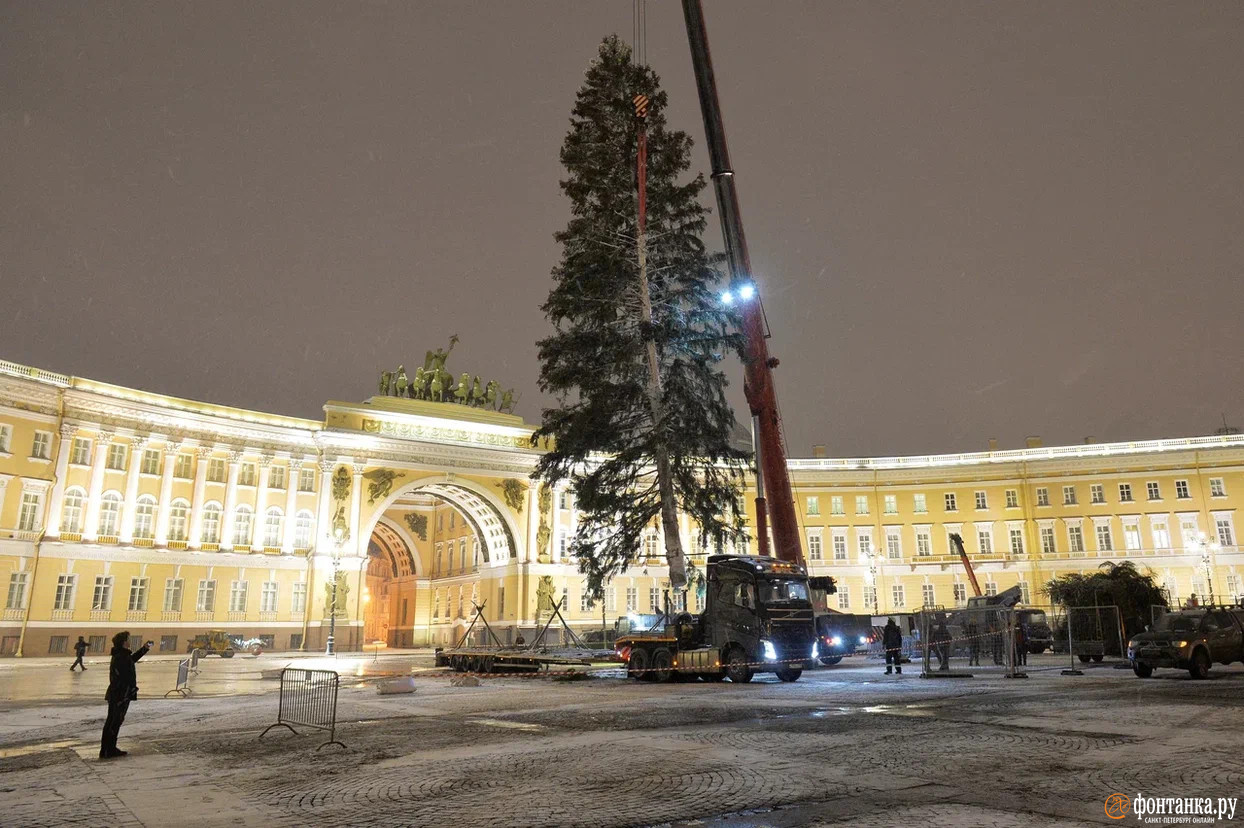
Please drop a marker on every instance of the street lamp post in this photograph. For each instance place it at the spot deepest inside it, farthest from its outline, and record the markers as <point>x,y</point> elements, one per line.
<point>338,538</point>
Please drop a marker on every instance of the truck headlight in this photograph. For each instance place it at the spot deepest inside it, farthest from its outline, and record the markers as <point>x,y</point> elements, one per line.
<point>816,649</point>
<point>1180,644</point>
<point>863,639</point>
<point>769,652</point>
<point>836,641</point>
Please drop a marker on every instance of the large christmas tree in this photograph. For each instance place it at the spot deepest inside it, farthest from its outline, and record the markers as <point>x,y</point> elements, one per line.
<point>642,429</point>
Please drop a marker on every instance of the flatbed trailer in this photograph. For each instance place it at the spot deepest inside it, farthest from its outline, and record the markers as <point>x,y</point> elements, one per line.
<point>517,659</point>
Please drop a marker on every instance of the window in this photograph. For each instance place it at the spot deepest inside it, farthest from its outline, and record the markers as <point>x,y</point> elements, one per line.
<point>1075,538</point>
<point>1012,499</point>
<point>835,505</point>
<point>1097,493</point>
<point>1189,531</point>
<point>893,544</point>
<point>267,597</point>
<point>181,467</point>
<point>961,594</point>
<point>984,540</point>
<point>17,591</point>
<point>80,453</point>
<point>138,594</point>
<point>276,477</point>
<point>272,527</point>
<point>150,462</point>
<point>237,596</point>
<point>891,504</point>
<point>306,480</point>
<point>1023,592</point>
<point>178,514</point>
<point>1152,491</point>
<point>116,457</point>
<point>168,643</point>
<point>109,514</point>
<point>1226,532</point>
<point>6,438</point>
<point>57,644</point>
<point>844,597</point>
<point>562,541</point>
<point>1043,496</point>
<point>563,501</point>
<point>1233,587</point>
<point>982,501</point>
<point>97,643</point>
<point>30,511</point>
<point>870,596</point>
<point>840,545</point>
<point>172,595</point>
<point>298,599</point>
<point>1161,535</point>
<point>462,543</point>
<point>814,505</point>
<point>951,504</point>
<point>585,601</point>
<point>1131,536</point>
<point>918,502</point>
<point>926,595</point>
<point>611,599</point>
<point>65,587</point>
<point>861,504</point>
<point>897,597</point>
<point>454,515</point>
<point>205,601</point>
<point>1048,546</point>
<point>654,599</point>
<point>242,526</point>
<point>1017,541</point>
<point>211,523</point>
<point>41,448</point>
<point>865,542</point>
<point>144,518</point>
<point>650,543</point>
<point>1069,495</point>
<point>216,470</point>
<point>246,474</point>
<point>814,546</point>
<point>1181,489</point>
<point>101,597</point>
<point>1125,492</point>
<point>632,599</point>
<point>302,530</point>
<point>1216,488</point>
<point>991,588</point>
<point>440,557</point>
<point>71,514</point>
<point>924,544</point>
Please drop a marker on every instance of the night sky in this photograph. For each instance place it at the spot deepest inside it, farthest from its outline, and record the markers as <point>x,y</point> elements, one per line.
<point>967,219</point>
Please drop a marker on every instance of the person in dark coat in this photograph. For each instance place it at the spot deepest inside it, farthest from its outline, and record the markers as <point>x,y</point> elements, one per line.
<point>941,644</point>
<point>892,641</point>
<point>122,689</point>
<point>1021,646</point>
<point>80,649</point>
<point>972,631</point>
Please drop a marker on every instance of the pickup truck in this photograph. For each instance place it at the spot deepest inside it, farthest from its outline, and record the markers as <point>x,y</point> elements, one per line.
<point>1189,639</point>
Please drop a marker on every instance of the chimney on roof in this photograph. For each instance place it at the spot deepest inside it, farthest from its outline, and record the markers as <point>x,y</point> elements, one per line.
<point>818,450</point>
<point>1033,442</point>
<point>993,443</point>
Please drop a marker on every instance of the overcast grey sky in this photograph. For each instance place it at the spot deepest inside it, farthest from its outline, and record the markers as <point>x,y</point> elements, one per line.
<point>969,219</point>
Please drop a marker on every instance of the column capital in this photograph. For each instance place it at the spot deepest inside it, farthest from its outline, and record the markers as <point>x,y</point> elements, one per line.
<point>68,430</point>
<point>139,443</point>
<point>235,457</point>
<point>265,460</point>
<point>326,465</point>
<point>359,468</point>
<point>105,436</point>
<point>203,451</point>
<point>295,464</point>
<point>171,446</point>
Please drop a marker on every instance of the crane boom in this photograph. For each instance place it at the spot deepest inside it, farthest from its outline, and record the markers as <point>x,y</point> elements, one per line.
<point>774,499</point>
<point>957,541</point>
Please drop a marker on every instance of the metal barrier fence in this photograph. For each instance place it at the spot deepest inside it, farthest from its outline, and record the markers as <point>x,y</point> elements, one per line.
<point>183,679</point>
<point>1090,636</point>
<point>195,655</point>
<point>961,643</point>
<point>308,699</point>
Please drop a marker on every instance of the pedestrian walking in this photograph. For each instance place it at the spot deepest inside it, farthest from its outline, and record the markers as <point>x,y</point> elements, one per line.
<point>892,640</point>
<point>122,689</point>
<point>941,644</point>
<point>79,649</point>
<point>972,631</point>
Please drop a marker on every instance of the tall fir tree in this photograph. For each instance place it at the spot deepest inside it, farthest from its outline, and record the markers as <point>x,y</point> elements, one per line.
<point>610,434</point>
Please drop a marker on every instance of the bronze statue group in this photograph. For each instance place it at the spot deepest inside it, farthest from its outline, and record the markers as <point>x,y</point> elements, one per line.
<point>432,382</point>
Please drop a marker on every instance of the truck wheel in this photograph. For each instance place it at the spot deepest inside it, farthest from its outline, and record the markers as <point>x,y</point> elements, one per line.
<point>637,665</point>
<point>662,665</point>
<point>1098,659</point>
<point>227,654</point>
<point>830,661</point>
<point>1083,659</point>
<point>737,669</point>
<point>789,674</point>
<point>1142,670</point>
<point>1035,650</point>
<point>1200,665</point>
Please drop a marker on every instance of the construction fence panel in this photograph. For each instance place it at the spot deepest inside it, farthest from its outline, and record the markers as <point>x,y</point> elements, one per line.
<point>965,642</point>
<point>308,699</point>
<point>1090,636</point>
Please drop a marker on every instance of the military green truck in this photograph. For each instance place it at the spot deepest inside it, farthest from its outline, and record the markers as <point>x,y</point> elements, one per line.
<point>757,618</point>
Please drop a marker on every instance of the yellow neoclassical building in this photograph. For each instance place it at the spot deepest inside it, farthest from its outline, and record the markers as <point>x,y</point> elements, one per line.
<point>125,509</point>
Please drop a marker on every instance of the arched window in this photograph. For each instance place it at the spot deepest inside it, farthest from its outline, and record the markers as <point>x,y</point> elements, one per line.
<point>144,518</point>
<point>436,603</point>
<point>272,524</point>
<point>177,515</point>
<point>211,522</point>
<point>302,529</point>
<point>109,514</point>
<point>242,526</point>
<point>71,515</point>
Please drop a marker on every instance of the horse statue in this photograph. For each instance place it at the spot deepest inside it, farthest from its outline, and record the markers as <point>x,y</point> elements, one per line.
<point>437,390</point>
<point>400,385</point>
<point>477,394</point>
<point>418,386</point>
<point>490,395</point>
<point>508,401</point>
<point>385,379</point>
<point>463,392</point>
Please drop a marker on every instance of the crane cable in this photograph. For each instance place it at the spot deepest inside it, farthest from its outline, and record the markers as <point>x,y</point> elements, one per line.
<point>639,32</point>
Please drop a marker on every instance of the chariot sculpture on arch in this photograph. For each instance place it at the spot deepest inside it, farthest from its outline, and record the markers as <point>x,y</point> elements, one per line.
<point>433,382</point>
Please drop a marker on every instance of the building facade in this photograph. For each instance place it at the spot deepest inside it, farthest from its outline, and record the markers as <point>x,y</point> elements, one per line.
<point>123,509</point>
